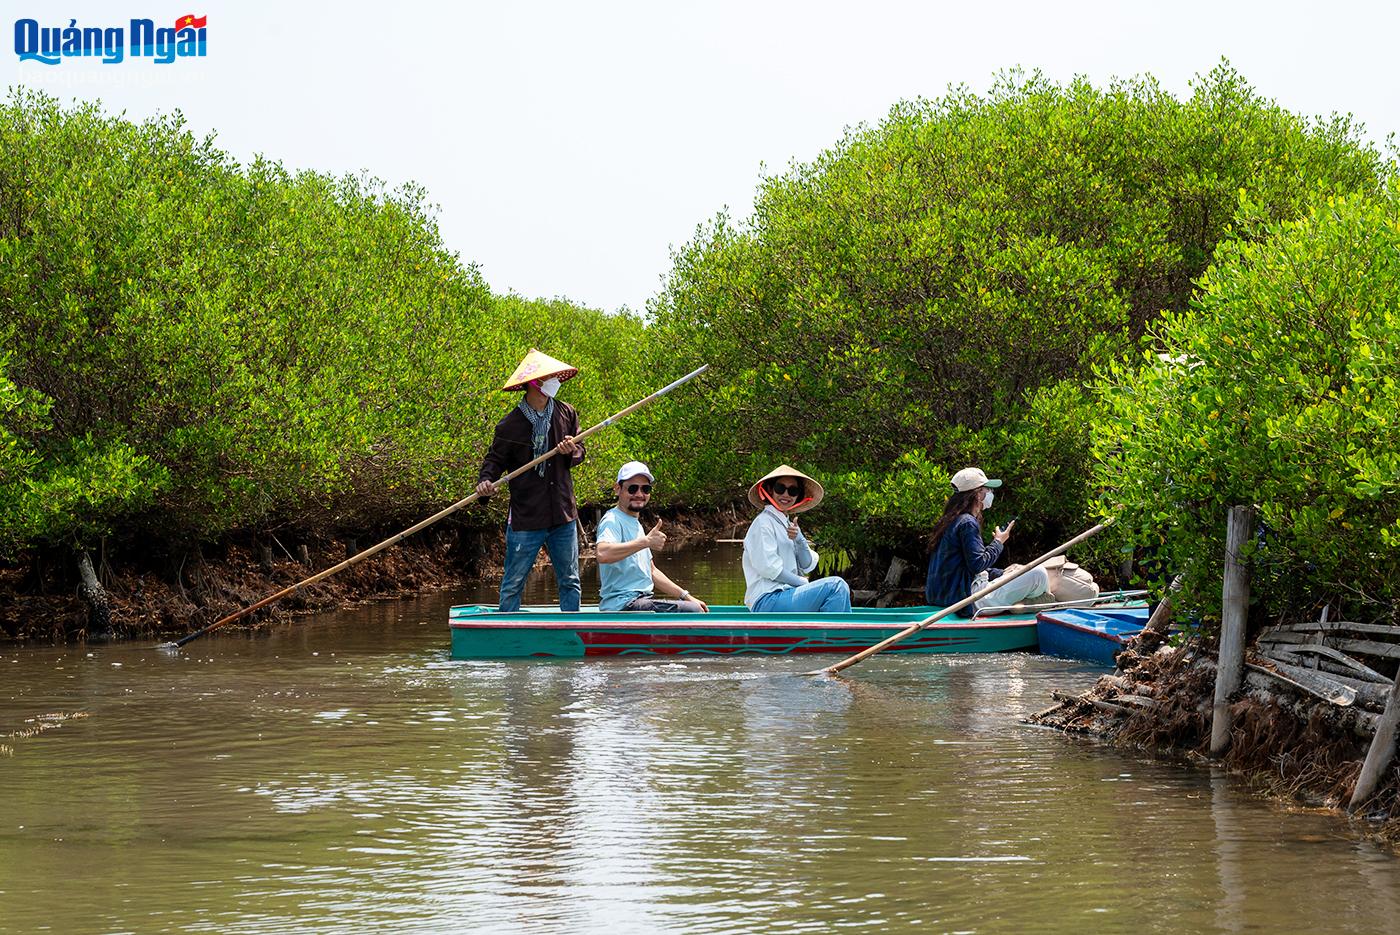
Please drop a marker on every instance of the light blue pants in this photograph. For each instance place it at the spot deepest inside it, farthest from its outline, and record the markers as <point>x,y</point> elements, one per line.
<point>830,595</point>
<point>522,546</point>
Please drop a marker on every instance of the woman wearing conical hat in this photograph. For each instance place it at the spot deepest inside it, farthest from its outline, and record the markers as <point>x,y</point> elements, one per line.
<point>542,508</point>
<point>777,555</point>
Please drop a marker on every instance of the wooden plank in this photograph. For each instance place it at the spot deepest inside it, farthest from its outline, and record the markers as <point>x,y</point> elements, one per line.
<point>1310,683</point>
<point>1341,659</point>
<point>1365,647</point>
<point>1283,636</point>
<point>1368,648</point>
<point>1331,626</point>
<point>1367,692</point>
<point>1343,674</point>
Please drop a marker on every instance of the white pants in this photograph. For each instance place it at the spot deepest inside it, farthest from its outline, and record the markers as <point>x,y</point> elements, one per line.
<point>1034,582</point>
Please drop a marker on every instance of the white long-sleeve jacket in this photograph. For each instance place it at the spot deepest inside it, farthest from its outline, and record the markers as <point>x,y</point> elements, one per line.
<point>769,555</point>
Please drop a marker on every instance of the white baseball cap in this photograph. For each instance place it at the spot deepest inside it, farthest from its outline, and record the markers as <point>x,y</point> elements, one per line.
<point>632,469</point>
<point>972,478</point>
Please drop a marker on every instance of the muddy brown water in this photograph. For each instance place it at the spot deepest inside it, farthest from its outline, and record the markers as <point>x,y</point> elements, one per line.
<point>341,774</point>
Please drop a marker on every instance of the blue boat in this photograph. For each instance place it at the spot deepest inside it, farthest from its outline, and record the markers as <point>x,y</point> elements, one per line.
<point>1088,635</point>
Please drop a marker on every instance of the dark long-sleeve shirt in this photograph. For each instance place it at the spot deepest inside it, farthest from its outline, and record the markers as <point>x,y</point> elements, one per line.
<point>535,502</point>
<point>959,556</point>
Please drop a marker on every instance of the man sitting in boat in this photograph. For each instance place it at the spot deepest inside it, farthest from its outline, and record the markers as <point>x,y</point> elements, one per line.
<point>542,509</point>
<point>629,578</point>
<point>777,554</point>
<point>961,564</point>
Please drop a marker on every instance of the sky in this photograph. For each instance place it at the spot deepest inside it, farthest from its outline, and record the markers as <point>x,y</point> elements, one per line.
<point>570,147</point>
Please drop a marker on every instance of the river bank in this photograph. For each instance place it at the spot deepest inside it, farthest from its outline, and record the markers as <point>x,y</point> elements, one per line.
<point>158,594</point>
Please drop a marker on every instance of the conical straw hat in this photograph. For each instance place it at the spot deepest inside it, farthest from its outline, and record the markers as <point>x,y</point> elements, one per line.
<point>814,489</point>
<point>538,366</point>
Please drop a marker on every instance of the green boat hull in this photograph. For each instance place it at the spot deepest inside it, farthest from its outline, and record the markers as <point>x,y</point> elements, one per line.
<point>480,632</point>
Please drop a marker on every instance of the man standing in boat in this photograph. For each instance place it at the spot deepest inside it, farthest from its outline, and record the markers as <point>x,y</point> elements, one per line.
<point>542,508</point>
<point>629,578</point>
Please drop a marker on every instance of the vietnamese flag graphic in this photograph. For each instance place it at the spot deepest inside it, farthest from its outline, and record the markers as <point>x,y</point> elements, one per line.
<point>190,21</point>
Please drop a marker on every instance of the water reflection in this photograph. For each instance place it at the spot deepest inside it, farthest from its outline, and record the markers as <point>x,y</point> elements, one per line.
<point>343,774</point>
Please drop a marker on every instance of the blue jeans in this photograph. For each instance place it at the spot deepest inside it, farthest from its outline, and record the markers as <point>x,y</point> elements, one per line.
<point>523,546</point>
<point>826,595</point>
<point>648,604</point>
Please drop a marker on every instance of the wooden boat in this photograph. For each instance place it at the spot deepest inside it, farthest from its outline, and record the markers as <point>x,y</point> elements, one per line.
<point>481,632</point>
<point>1089,635</point>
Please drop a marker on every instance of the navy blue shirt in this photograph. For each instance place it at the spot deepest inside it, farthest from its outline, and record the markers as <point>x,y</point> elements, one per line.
<point>960,555</point>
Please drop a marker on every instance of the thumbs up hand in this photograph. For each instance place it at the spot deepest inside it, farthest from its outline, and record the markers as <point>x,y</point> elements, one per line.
<point>656,539</point>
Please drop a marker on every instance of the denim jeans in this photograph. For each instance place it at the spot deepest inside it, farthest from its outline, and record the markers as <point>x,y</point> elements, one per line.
<point>826,595</point>
<point>522,547</point>
<point>648,604</point>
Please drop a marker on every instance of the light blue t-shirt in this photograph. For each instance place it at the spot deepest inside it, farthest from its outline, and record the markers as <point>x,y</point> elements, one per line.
<point>626,580</point>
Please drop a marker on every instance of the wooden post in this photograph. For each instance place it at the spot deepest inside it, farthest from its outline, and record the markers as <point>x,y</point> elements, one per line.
<point>265,558</point>
<point>1382,750</point>
<point>1234,613</point>
<point>304,555</point>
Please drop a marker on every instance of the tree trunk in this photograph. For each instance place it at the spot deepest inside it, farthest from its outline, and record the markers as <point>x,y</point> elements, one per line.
<point>1234,614</point>
<point>99,621</point>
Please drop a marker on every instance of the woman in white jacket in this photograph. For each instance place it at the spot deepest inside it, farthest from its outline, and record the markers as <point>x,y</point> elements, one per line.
<point>776,554</point>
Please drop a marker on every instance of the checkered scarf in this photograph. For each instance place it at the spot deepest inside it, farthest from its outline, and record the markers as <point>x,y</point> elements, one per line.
<point>539,422</point>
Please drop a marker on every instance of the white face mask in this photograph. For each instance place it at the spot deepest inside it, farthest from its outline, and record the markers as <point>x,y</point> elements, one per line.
<point>550,387</point>
<point>987,500</point>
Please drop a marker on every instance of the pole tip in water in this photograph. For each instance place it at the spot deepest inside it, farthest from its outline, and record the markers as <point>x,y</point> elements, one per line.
<point>168,647</point>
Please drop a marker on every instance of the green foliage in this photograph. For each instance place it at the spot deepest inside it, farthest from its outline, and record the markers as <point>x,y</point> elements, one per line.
<point>942,285</point>
<point>1277,388</point>
<point>196,347</point>
<point>192,347</point>
<point>897,496</point>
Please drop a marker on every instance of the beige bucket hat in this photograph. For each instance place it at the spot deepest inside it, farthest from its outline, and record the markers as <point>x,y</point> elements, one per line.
<point>814,489</point>
<point>538,365</point>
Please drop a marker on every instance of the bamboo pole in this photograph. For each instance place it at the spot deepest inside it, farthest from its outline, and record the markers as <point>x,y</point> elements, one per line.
<point>1234,613</point>
<point>954,608</point>
<point>441,514</point>
<point>1382,750</point>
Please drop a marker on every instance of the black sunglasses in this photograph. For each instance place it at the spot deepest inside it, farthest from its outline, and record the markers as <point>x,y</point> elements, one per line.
<point>780,489</point>
<point>644,488</point>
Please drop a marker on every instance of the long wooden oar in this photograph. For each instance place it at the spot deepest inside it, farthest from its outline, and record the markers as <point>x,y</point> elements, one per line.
<point>361,556</point>
<point>954,608</point>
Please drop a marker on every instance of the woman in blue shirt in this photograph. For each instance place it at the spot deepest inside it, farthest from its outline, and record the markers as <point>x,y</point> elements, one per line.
<point>961,564</point>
